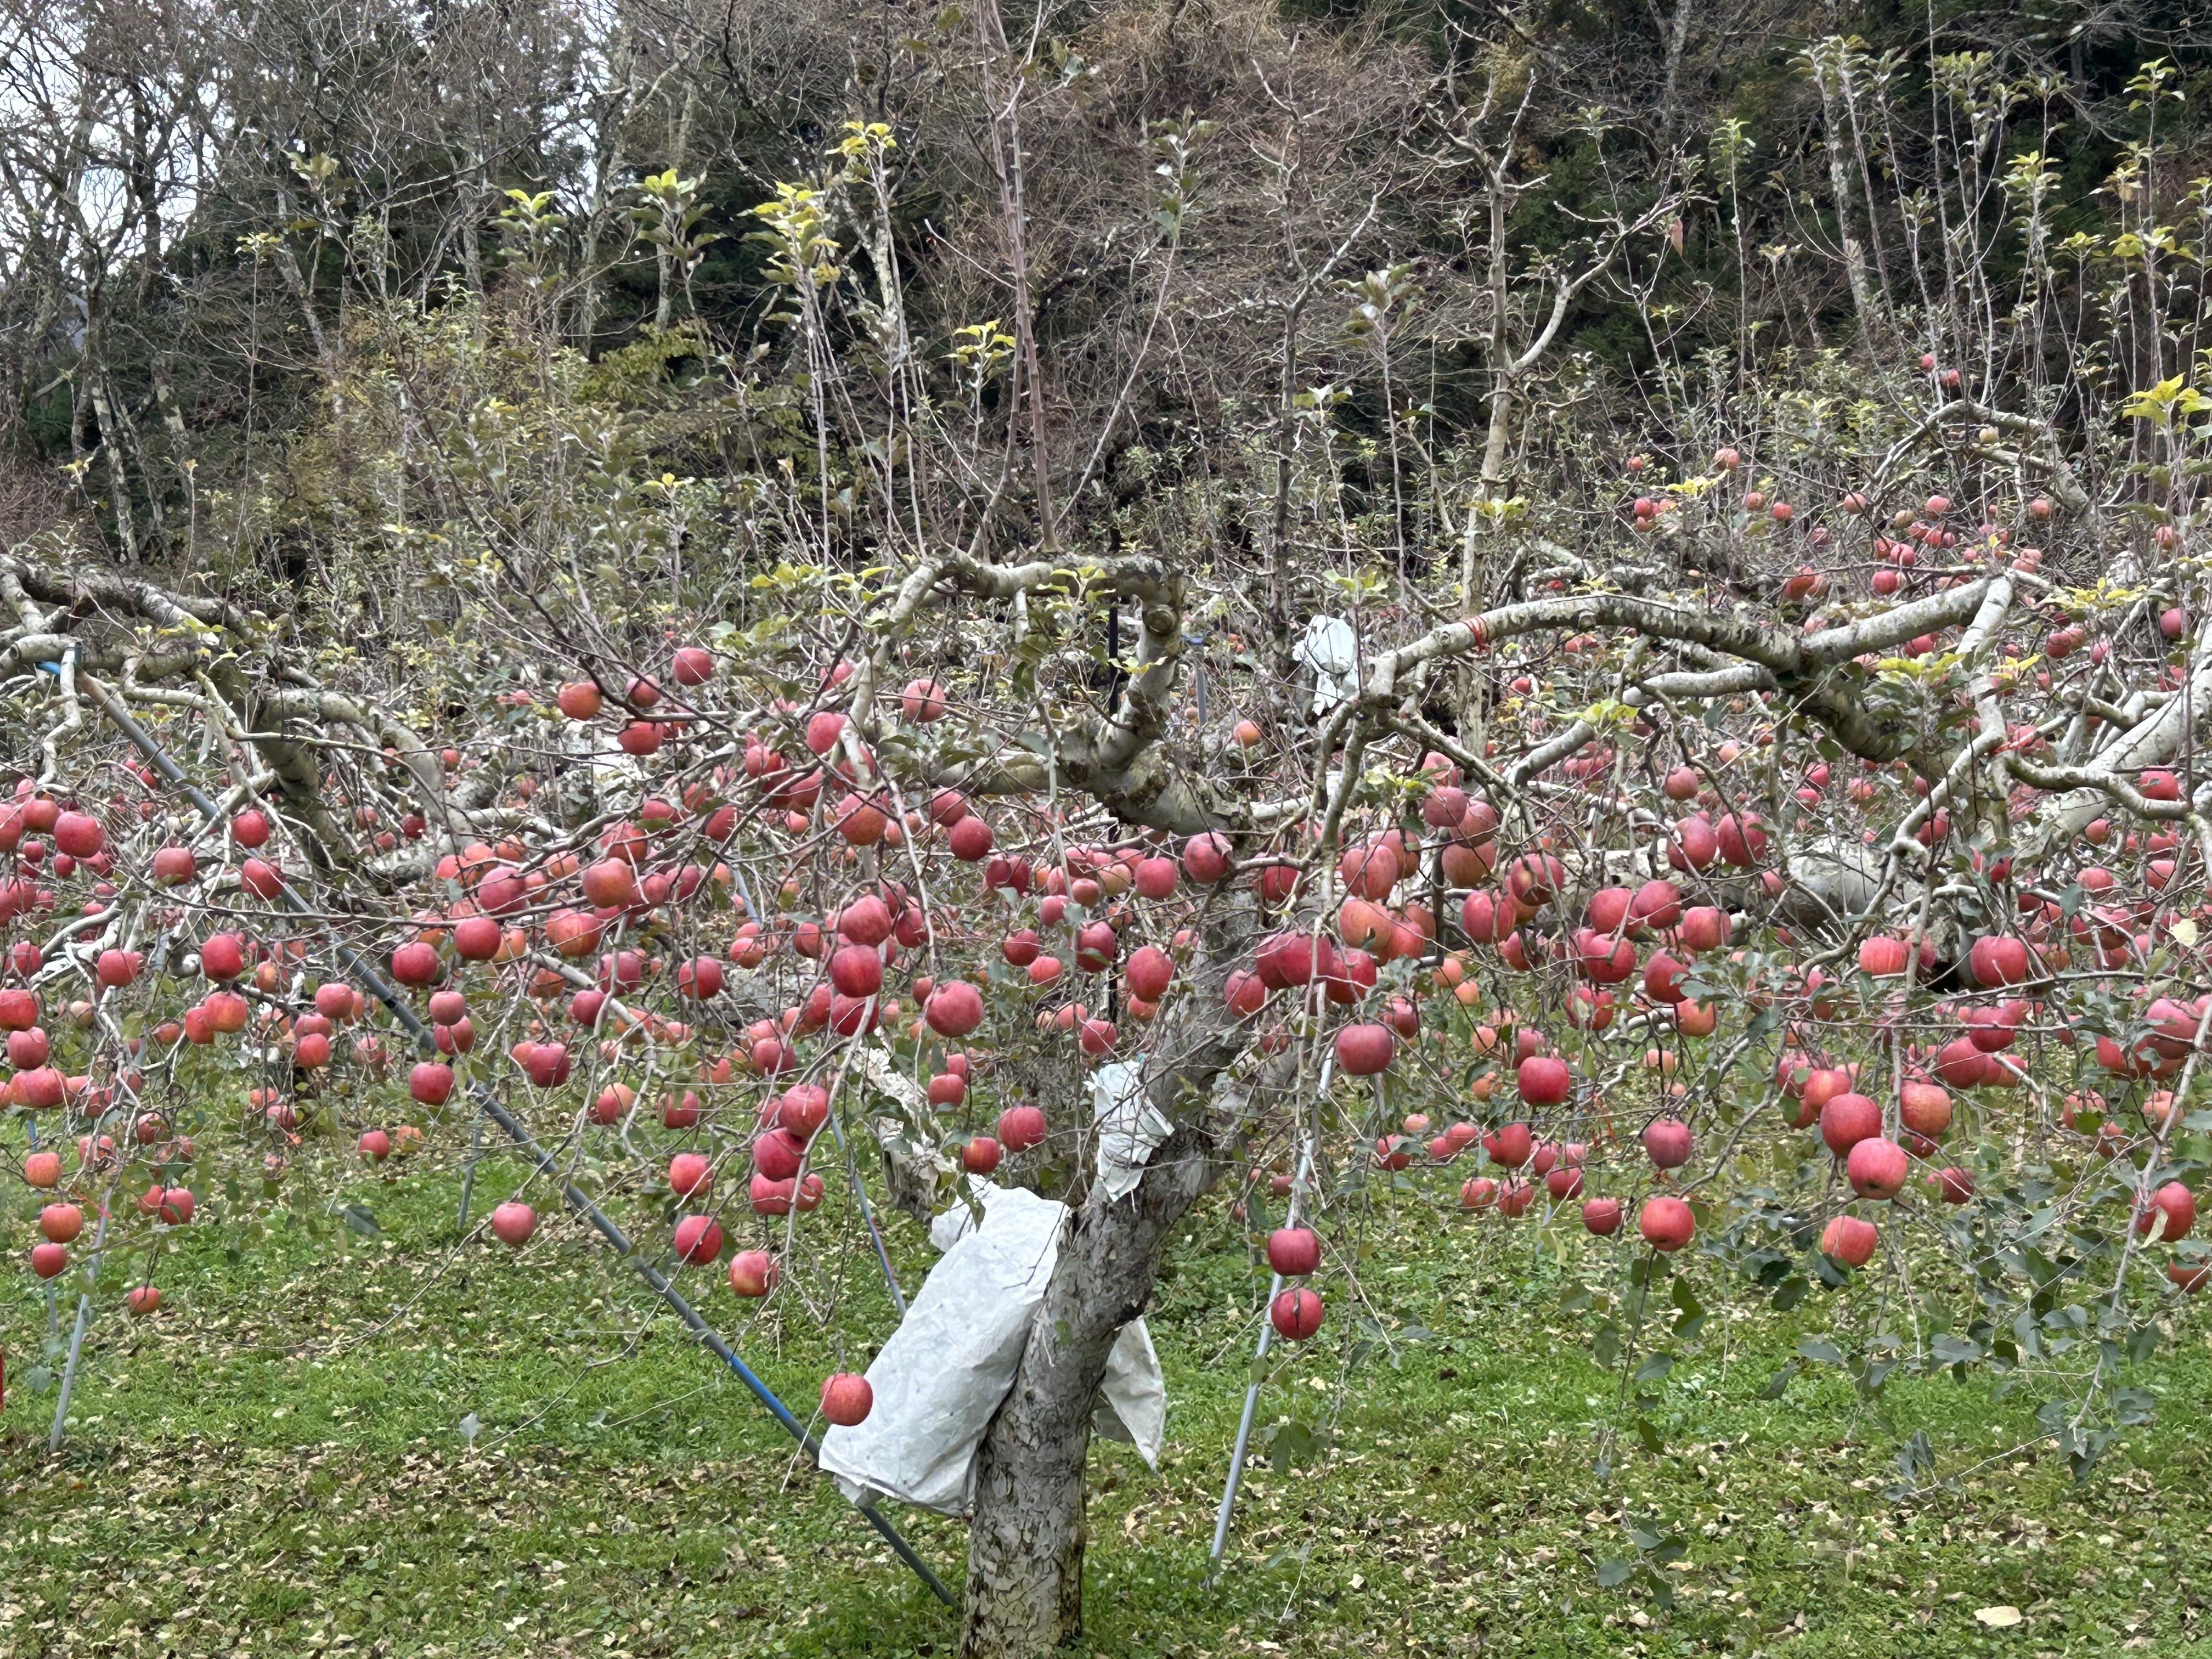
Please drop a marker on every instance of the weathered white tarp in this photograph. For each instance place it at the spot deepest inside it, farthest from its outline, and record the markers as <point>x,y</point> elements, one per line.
<point>941,1377</point>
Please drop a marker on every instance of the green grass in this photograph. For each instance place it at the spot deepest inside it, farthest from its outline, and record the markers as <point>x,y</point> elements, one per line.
<point>275,1465</point>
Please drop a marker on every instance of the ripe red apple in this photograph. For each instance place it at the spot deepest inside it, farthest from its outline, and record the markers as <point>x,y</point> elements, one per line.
<point>1849,1240</point>
<point>1149,973</point>
<point>2171,1211</point>
<point>1848,1119</point>
<point>954,1010</point>
<point>802,1110</point>
<point>1601,1216</point>
<point>1364,1050</point>
<point>752,1272</point>
<point>1095,945</point>
<point>1876,1168</point>
<point>1924,1108</point>
<point>922,701</point>
<point>1668,1142</point>
<point>1155,878</point>
<point>116,968</point>
<point>1999,960</point>
<point>1296,1314</point>
<point>778,1154</point>
<point>689,1175</point>
<point>1666,1223</point>
<point>857,970</point>
<point>430,1082</point>
<point>42,1168</point>
<point>847,1399</point>
<point>1883,956</point>
<point>1294,1252</point>
<point>374,1145</point>
<point>222,956</point>
<point>513,1223</point>
<point>79,836</point>
<point>1741,842</point>
<point>1021,1127</point>
<point>1510,1147</point>
<point>1544,1080</point>
<point>698,1240</point>
<point>416,963</point>
<point>1206,858</point>
<point>61,1223</point>
<point>970,840</point>
<point>48,1259</point>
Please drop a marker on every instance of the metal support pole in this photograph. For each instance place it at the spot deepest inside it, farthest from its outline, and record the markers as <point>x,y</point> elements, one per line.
<point>868,1215</point>
<point>577,1200</point>
<point>76,1336</point>
<point>1298,1185</point>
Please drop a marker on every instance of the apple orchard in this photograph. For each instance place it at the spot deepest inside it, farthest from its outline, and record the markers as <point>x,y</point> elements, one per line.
<point>1841,935</point>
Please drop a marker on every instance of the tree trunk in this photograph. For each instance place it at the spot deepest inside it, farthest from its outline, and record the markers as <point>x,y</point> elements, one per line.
<point>1827,73</point>
<point>1025,1596</point>
<point>1495,445</point>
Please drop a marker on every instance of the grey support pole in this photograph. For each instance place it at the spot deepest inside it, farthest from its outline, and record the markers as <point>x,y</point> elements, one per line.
<point>1298,1185</point>
<point>76,1335</point>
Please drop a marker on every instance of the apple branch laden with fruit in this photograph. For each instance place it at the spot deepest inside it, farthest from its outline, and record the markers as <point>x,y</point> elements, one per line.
<point>760,860</point>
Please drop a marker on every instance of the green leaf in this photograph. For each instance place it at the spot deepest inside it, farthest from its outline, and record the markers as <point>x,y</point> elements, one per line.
<point>1821,1352</point>
<point>1780,1381</point>
<point>1611,1574</point>
<point>1649,1437</point>
<point>1653,1367</point>
<point>359,1217</point>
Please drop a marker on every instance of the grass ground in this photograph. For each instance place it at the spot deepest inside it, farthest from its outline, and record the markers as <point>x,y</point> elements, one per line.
<point>277,1464</point>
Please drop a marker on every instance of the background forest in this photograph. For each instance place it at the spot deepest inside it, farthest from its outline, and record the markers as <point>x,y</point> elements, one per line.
<point>253,263</point>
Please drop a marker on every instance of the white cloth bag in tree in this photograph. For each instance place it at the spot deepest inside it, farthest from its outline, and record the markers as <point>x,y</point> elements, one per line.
<point>939,1379</point>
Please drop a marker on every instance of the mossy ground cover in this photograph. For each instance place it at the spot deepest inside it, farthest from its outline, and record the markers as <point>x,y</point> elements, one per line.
<point>398,1442</point>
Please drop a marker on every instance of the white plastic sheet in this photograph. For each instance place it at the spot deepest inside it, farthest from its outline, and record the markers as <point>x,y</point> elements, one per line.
<point>1331,649</point>
<point>1130,1127</point>
<point>939,1380</point>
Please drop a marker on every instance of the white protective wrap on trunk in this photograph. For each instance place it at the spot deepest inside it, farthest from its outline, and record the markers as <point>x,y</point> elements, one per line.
<point>939,1379</point>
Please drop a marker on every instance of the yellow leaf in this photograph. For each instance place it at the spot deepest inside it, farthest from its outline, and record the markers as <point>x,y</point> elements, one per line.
<point>1999,1618</point>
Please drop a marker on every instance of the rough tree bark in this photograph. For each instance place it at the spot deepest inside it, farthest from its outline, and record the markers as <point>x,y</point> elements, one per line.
<point>1024,1593</point>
